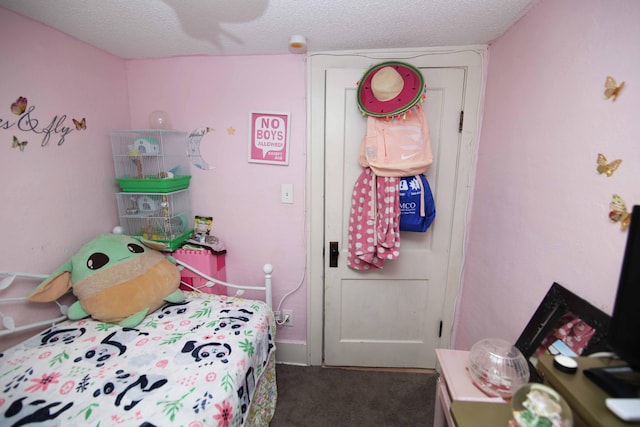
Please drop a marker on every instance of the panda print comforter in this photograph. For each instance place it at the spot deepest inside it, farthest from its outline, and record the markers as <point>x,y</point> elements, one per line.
<point>195,363</point>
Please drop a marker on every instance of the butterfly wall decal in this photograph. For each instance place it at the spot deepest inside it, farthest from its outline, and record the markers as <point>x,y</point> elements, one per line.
<point>619,212</point>
<point>20,106</point>
<point>80,125</point>
<point>18,143</point>
<point>607,168</point>
<point>611,88</point>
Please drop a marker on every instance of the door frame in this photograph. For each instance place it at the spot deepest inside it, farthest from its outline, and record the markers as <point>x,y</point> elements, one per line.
<point>473,60</point>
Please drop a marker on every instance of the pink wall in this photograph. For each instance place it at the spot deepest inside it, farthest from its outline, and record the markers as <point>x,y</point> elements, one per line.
<point>242,197</point>
<point>55,197</point>
<point>539,212</point>
<point>540,209</point>
<point>67,191</point>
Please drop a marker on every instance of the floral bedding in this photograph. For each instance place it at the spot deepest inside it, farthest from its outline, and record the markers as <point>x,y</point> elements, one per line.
<point>192,364</point>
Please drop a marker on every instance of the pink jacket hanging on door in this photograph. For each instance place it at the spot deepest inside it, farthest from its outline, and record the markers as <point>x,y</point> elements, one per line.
<point>398,147</point>
<point>374,233</point>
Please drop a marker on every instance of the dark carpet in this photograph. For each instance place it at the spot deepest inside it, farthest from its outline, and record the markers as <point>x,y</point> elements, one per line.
<point>315,396</point>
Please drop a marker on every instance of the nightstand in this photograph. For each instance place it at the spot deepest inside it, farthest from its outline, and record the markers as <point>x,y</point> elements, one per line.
<point>206,262</point>
<point>454,384</point>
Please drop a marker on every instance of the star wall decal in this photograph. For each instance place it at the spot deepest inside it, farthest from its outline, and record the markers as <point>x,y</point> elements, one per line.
<point>231,130</point>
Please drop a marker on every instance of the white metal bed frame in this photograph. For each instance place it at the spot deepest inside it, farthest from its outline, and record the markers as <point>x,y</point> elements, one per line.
<point>8,323</point>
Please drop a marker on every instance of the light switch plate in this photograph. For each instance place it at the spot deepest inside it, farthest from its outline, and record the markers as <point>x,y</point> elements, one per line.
<point>286,191</point>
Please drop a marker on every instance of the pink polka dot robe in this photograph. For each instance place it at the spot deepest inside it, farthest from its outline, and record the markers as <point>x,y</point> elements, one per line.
<point>374,233</point>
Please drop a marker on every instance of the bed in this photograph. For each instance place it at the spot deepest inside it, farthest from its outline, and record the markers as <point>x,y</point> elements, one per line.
<point>207,361</point>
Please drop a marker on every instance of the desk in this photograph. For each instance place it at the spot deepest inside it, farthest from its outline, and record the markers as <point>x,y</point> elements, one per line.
<point>454,385</point>
<point>584,397</point>
<point>476,414</point>
<point>460,403</point>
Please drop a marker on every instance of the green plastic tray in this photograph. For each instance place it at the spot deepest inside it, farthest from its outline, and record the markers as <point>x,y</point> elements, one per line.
<point>174,244</point>
<point>154,185</point>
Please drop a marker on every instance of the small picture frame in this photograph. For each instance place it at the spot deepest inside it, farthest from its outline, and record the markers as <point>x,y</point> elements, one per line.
<point>269,137</point>
<point>560,315</point>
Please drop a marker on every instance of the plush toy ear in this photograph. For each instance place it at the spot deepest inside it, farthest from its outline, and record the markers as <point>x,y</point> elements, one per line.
<point>54,286</point>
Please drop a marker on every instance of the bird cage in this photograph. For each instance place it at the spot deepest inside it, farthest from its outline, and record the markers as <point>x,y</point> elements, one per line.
<point>152,160</point>
<point>162,217</point>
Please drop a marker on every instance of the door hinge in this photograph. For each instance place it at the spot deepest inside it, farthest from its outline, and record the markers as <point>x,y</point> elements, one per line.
<point>440,330</point>
<point>461,121</point>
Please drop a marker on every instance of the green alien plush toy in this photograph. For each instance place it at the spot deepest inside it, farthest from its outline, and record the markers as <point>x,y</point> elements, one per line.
<point>116,278</point>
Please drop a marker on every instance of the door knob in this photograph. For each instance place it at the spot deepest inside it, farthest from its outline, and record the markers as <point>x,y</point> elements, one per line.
<point>333,254</point>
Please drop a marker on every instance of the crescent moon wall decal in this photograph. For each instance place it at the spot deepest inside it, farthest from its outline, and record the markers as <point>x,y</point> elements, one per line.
<point>193,150</point>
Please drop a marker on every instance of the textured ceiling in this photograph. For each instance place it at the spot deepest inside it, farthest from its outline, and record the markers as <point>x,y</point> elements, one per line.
<point>165,28</point>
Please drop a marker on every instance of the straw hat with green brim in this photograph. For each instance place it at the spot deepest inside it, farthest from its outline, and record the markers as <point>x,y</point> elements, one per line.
<point>389,89</point>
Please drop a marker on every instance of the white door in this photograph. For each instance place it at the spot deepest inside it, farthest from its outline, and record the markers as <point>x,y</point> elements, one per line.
<point>389,317</point>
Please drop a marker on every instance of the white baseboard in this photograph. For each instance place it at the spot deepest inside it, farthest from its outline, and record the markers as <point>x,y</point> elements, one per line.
<point>291,352</point>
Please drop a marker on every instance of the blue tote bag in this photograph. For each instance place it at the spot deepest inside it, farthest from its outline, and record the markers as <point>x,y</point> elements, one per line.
<point>417,208</point>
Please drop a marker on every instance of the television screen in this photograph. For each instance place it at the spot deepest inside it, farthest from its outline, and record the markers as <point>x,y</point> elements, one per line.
<point>624,329</point>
